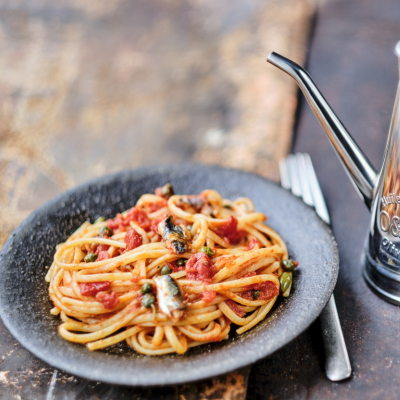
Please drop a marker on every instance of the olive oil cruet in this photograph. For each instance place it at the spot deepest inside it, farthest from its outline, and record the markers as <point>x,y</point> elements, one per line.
<point>380,191</point>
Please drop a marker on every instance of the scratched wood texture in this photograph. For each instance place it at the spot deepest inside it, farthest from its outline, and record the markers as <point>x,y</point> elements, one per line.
<point>90,88</point>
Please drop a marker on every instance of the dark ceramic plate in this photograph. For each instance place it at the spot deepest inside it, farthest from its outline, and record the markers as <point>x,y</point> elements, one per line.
<point>24,302</point>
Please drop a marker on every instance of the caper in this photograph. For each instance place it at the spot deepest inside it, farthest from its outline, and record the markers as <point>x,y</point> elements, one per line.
<point>207,250</point>
<point>285,280</point>
<point>100,219</point>
<point>166,270</point>
<point>256,294</point>
<point>146,288</point>
<point>181,262</point>
<point>91,257</point>
<point>105,231</point>
<point>227,206</point>
<point>288,265</point>
<point>148,300</point>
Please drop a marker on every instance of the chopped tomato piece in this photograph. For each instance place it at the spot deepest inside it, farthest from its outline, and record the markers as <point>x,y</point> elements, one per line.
<point>118,222</point>
<point>209,296</point>
<point>296,263</point>
<point>254,243</point>
<point>229,231</point>
<point>102,252</point>
<point>154,226</point>
<point>247,295</point>
<point>102,247</point>
<point>175,267</point>
<point>92,288</point>
<point>199,267</point>
<point>267,289</point>
<point>109,300</point>
<point>134,214</point>
<point>156,206</point>
<point>133,240</point>
<point>235,308</point>
<point>103,255</point>
<point>140,216</point>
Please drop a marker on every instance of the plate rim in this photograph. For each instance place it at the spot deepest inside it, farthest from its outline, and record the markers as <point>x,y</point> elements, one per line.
<point>154,169</point>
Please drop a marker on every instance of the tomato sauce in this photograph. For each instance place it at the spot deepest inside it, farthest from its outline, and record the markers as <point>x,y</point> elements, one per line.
<point>209,296</point>
<point>175,267</point>
<point>92,288</point>
<point>102,252</point>
<point>102,247</point>
<point>156,206</point>
<point>134,214</point>
<point>248,275</point>
<point>103,255</point>
<point>199,267</point>
<point>229,231</point>
<point>247,295</point>
<point>109,300</point>
<point>235,308</point>
<point>133,240</point>
<point>254,243</point>
<point>268,290</point>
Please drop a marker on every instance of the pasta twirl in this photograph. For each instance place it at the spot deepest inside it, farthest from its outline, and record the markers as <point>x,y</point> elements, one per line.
<point>171,273</point>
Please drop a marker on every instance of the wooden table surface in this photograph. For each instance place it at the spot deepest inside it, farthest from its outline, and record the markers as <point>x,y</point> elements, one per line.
<point>351,59</point>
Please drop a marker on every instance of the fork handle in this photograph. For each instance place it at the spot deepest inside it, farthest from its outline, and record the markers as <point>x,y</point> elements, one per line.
<point>337,362</point>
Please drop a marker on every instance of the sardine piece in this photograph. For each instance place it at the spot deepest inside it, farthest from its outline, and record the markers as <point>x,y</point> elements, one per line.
<point>173,235</point>
<point>195,201</point>
<point>170,297</point>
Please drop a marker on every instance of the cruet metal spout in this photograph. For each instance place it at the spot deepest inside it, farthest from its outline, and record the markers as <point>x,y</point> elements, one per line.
<point>357,165</point>
<point>381,193</point>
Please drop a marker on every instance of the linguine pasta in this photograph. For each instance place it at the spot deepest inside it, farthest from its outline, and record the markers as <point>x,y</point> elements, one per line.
<point>173,272</point>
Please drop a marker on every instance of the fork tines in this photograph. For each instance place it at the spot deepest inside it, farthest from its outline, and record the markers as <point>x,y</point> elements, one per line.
<point>298,174</point>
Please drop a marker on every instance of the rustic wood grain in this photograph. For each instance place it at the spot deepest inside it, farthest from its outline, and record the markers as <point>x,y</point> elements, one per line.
<point>90,88</point>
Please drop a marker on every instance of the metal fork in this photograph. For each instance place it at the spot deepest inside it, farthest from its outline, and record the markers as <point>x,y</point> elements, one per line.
<point>298,175</point>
